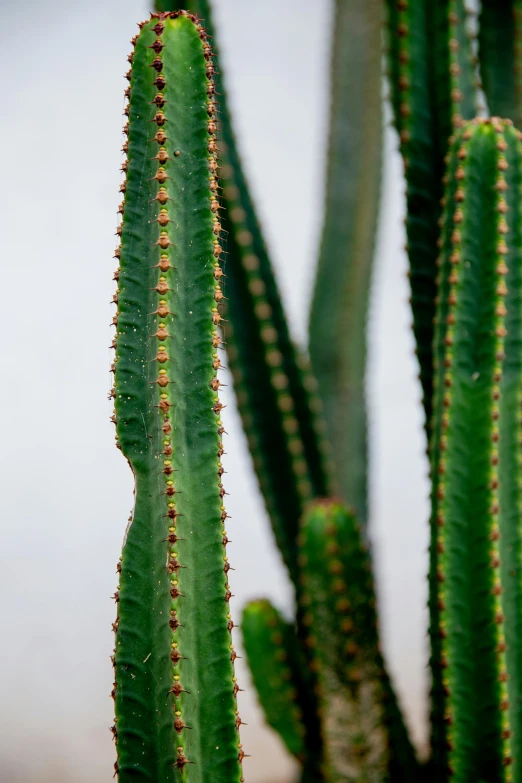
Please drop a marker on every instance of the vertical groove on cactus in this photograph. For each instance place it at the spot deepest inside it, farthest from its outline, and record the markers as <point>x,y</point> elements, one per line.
<point>354,691</point>
<point>432,89</point>
<point>340,302</point>
<point>272,651</point>
<point>176,713</point>
<point>468,625</point>
<point>500,49</point>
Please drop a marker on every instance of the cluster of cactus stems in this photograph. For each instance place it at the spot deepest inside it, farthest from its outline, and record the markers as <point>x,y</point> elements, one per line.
<point>187,239</point>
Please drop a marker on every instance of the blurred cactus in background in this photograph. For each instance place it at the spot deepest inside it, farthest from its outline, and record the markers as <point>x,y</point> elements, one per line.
<point>321,678</point>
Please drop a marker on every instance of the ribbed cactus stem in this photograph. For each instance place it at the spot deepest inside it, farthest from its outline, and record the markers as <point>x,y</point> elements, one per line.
<point>476,461</point>
<point>276,395</point>
<point>431,75</point>
<point>355,697</point>
<point>339,312</point>
<point>272,651</point>
<point>176,714</point>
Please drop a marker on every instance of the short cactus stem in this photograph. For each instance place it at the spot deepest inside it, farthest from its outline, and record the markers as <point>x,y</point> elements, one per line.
<point>272,651</point>
<point>475,460</point>
<point>355,698</point>
<point>175,691</point>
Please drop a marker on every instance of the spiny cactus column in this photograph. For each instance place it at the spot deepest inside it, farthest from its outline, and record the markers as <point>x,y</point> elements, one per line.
<point>431,74</point>
<point>475,599</point>
<point>176,715</point>
<point>275,391</point>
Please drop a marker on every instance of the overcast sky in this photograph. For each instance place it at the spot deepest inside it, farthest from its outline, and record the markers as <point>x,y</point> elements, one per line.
<point>65,491</point>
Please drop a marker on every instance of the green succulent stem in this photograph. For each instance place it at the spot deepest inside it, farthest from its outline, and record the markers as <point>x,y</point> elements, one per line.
<point>475,545</point>
<point>273,657</point>
<point>432,84</point>
<point>176,714</point>
<point>500,49</point>
<point>340,302</point>
<point>363,734</point>
<point>276,394</point>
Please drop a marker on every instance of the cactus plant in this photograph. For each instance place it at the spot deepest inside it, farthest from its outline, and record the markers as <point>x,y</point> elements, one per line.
<point>501,57</point>
<point>173,657</point>
<point>321,677</point>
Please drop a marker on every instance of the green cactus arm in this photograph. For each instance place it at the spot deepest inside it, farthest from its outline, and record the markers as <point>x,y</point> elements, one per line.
<point>468,627</point>
<point>500,41</point>
<point>273,658</point>
<point>431,74</point>
<point>176,715</point>
<point>276,395</point>
<point>340,301</point>
<point>360,718</point>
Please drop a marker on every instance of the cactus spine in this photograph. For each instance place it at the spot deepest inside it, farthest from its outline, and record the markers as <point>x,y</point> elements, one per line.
<point>175,689</point>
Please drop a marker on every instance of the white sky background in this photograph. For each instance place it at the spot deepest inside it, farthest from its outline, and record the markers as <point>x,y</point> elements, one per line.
<point>65,491</point>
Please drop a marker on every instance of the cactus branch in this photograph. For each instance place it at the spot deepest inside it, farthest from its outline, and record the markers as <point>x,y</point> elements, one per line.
<point>272,651</point>
<point>431,76</point>
<point>340,302</point>
<point>275,391</point>
<point>500,42</point>
<point>356,700</point>
<point>176,712</point>
<point>472,736</point>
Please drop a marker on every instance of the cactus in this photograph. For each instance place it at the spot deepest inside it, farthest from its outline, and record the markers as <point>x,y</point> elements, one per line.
<point>340,301</point>
<point>475,595</point>
<point>431,74</point>
<point>173,657</point>
<point>274,389</point>
<point>321,676</point>
<point>501,57</point>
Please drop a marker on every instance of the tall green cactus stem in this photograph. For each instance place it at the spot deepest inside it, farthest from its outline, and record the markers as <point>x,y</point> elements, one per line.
<point>273,657</point>
<point>475,593</point>
<point>276,394</point>
<point>176,715</point>
<point>356,700</point>
<point>500,49</point>
<point>431,74</point>
<point>340,302</point>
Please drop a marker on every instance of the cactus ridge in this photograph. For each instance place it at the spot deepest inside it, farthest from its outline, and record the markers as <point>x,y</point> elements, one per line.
<point>467,607</point>
<point>432,85</point>
<point>173,615</point>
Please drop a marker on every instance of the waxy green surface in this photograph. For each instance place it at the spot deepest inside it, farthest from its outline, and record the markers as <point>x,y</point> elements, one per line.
<point>175,701</point>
